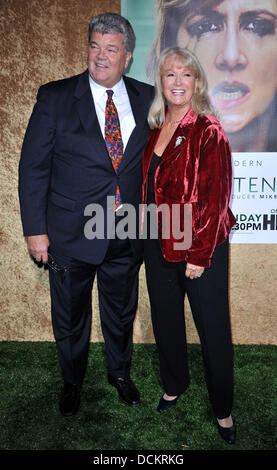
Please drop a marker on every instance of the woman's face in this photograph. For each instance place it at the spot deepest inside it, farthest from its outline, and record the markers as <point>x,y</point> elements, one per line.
<point>236,43</point>
<point>178,84</point>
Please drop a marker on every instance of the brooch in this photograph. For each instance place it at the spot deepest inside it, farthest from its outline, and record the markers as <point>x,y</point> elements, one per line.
<point>179,140</point>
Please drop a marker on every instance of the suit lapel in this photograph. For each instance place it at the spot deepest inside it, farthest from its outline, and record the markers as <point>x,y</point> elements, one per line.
<point>140,108</point>
<point>137,103</point>
<point>88,117</point>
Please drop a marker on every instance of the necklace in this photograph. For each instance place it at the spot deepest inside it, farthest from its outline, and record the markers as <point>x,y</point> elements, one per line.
<point>174,122</point>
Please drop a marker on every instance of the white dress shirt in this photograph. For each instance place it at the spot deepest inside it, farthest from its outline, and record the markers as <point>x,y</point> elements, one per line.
<point>122,103</point>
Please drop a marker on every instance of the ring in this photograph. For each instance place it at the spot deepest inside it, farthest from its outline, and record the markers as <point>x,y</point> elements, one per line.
<point>198,275</point>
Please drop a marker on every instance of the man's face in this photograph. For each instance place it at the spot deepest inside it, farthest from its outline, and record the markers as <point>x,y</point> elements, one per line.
<point>107,58</point>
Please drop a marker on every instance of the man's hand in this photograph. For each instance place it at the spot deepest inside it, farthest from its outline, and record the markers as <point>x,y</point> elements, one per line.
<point>193,271</point>
<point>38,247</point>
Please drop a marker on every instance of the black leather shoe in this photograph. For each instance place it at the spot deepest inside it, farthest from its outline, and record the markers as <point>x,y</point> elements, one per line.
<point>70,400</point>
<point>228,434</point>
<point>166,404</point>
<point>127,390</point>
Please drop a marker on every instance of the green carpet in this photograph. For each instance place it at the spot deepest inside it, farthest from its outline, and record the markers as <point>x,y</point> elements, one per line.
<point>30,388</point>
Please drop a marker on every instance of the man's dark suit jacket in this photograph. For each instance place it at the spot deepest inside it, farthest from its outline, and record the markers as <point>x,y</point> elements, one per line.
<point>65,165</point>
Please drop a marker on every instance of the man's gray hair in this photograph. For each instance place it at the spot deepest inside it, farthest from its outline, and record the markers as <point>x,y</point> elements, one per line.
<point>111,23</point>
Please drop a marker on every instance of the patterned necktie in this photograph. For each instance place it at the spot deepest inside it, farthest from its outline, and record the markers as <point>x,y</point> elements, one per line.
<point>113,139</point>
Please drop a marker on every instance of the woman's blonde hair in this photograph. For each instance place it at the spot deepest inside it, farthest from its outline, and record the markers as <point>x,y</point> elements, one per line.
<point>200,102</point>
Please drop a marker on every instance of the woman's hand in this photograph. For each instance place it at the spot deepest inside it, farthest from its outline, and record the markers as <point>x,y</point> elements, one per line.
<point>193,271</point>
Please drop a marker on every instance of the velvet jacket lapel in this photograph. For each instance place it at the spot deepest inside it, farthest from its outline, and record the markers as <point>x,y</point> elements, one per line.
<point>176,145</point>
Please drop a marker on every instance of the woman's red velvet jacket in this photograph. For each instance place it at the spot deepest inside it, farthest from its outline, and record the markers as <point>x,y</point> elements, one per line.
<point>195,169</point>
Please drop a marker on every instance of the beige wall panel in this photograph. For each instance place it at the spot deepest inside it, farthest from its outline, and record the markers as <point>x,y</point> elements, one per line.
<point>43,41</point>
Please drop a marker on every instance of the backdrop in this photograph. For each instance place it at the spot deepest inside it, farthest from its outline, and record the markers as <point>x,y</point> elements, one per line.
<point>43,41</point>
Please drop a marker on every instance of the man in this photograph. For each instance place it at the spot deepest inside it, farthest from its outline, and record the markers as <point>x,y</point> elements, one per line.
<point>76,153</point>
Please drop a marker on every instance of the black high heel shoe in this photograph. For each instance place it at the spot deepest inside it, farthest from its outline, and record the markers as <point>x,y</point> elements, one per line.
<point>228,434</point>
<point>166,404</point>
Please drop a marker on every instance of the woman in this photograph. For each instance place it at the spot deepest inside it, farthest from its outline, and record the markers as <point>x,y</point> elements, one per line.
<point>236,43</point>
<point>187,162</point>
